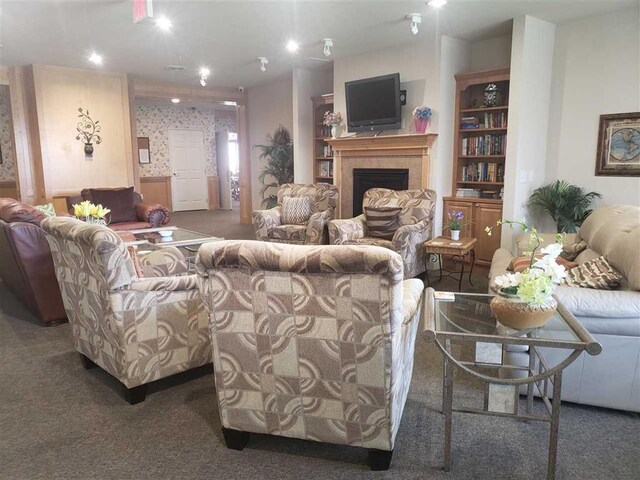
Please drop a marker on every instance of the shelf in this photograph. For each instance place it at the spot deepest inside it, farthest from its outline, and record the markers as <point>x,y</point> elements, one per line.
<point>481,183</point>
<point>495,157</point>
<point>324,178</point>
<point>487,109</point>
<point>324,158</point>
<point>324,139</point>
<point>475,130</point>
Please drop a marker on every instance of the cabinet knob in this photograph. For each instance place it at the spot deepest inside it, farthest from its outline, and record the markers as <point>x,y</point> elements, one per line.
<point>477,204</point>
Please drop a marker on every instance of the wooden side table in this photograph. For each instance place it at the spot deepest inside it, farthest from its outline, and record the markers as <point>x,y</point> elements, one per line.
<point>457,250</point>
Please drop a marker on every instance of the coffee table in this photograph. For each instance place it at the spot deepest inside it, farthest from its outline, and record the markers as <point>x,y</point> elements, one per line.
<point>458,250</point>
<point>472,340</point>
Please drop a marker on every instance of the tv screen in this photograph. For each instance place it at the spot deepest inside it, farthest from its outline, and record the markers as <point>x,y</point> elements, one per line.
<point>373,103</point>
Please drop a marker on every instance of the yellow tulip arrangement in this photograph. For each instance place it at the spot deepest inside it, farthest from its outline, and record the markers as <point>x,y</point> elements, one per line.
<point>91,213</point>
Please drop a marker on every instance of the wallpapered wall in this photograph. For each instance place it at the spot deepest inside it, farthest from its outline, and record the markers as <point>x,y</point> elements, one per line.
<point>155,121</point>
<point>7,172</point>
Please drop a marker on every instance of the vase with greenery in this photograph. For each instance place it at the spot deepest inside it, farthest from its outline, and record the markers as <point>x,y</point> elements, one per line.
<point>454,223</point>
<point>567,204</point>
<point>278,154</point>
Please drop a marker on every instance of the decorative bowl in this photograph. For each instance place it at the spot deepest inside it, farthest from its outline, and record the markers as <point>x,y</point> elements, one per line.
<point>514,313</point>
<point>166,233</point>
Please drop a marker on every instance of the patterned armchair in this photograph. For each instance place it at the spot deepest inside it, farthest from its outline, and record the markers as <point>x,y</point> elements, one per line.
<point>137,329</point>
<point>416,218</point>
<point>268,223</point>
<point>311,342</point>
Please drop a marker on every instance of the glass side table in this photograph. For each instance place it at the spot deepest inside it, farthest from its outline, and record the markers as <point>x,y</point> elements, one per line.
<point>461,324</point>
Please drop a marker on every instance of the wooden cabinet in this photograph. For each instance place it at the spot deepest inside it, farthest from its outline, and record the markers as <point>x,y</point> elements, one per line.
<point>478,214</point>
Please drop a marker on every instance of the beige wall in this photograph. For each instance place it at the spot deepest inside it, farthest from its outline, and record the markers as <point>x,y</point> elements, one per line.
<point>490,54</point>
<point>59,92</point>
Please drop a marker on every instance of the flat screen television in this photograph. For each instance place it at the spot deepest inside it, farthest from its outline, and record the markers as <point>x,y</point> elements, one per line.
<point>373,103</point>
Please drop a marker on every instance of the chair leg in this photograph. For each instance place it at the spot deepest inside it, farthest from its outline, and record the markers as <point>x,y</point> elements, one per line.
<point>136,394</point>
<point>235,439</point>
<point>86,362</point>
<point>379,459</point>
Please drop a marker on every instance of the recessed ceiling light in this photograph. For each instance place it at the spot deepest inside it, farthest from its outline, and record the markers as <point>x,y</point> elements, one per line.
<point>95,58</point>
<point>163,23</point>
<point>204,72</point>
<point>175,100</point>
<point>437,3</point>
<point>231,104</point>
<point>292,46</point>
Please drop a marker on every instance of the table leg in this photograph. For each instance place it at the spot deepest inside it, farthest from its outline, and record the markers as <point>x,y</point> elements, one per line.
<point>447,407</point>
<point>472,253</point>
<point>426,272</point>
<point>530,386</point>
<point>461,273</point>
<point>555,424</point>
<point>440,263</point>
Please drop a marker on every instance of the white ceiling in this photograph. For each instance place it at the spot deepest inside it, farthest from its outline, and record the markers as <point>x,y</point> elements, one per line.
<point>228,36</point>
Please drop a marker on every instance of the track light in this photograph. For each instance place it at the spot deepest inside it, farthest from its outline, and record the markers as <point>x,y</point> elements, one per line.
<point>416,19</point>
<point>263,63</point>
<point>204,74</point>
<point>328,43</point>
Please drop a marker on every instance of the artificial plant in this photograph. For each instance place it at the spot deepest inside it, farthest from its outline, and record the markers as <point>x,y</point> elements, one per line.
<point>278,154</point>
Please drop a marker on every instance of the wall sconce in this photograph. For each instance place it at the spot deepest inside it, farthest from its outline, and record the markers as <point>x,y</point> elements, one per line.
<point>88,132</point>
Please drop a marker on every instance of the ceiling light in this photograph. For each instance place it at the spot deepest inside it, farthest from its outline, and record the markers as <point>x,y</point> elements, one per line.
<point>292,46</point>
<point>203,81</point>
<point>95,58</point>
<point>437,3</point>
<point>175,100</point>
<point>231,104</point>
<point>163,23</point>
<point>204,73</point>
<point>328,43</point>
<point>263,63</point>
<point>416,19</point>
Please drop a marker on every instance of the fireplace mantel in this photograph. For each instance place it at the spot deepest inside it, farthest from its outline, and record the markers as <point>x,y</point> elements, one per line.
<point>386,151</point>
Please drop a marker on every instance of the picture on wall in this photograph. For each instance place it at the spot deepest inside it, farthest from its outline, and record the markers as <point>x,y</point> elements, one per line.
<point>144,155</point>
<point>619,145</point>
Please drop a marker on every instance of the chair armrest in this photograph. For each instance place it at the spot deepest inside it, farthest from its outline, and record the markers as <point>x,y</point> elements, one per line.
<point>408,236</point>
<point>412,293</point>
<point>266,220</point>
<point>152,213</point>
<point>165,262</point>
<point>342,231</point>
<point>317,227</point>
<point>166,284</point>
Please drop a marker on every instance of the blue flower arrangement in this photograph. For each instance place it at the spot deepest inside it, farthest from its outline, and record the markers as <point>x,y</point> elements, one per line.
<point>423,113</point>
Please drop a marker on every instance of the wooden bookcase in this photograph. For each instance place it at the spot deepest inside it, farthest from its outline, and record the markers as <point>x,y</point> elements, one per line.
<point>480,157</point>
<point>322,154</point>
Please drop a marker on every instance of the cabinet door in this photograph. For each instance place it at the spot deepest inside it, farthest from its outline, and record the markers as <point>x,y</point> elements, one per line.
<point>467,210</point>
<point>486,215</point>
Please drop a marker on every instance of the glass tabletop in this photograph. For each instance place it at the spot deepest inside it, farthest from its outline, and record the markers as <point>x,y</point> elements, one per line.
<point>178,237</point>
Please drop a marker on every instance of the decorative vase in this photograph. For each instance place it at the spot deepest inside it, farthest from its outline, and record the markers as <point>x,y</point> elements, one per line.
<point>514,313</point>
<point>88,149</point>
<point>455,234</point>
<point>421,124</point>
<point>335,131</point>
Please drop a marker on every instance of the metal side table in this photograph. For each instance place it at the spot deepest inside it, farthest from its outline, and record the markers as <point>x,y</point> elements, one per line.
<point>462,324</point>
<point>457,250</point>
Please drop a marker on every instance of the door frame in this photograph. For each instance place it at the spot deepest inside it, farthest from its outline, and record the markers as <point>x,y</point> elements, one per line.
<point>204,166</point>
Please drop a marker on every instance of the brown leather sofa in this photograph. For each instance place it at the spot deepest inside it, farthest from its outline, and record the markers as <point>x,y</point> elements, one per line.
<point>26,266</point>
<point>128,211</point>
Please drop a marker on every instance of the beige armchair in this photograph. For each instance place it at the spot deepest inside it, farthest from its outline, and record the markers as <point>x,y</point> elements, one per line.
<point>270,228</point>
<point>416,218</point>
<point>137,329</point>
<point>311,342</point>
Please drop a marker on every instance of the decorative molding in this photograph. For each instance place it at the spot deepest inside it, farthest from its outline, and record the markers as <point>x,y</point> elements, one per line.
<point>168,90</point>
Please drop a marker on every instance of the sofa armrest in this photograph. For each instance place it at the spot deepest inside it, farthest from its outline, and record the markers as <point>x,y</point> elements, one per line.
<point>589,302</point>
<point>317,227</point>
<point>342,231</point>
<point>165,284</point>
<point>266,220</point>
<point>412,291</point>
<point>523,241</point>
<point>165,262</point>
<point>499,263</point>
<point>152,213</point>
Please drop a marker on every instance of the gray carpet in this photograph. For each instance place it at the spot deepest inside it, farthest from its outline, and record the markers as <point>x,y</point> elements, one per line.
<point>58,421</point>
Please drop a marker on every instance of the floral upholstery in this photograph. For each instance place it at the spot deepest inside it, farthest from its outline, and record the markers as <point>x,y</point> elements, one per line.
<point>267,223</point>
<point>312,342</point>
<point>416,218</point>
<point>137,329</point>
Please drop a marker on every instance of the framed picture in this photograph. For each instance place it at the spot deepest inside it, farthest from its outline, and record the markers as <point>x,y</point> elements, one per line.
<point>619,145</point>
<point>144,155</point>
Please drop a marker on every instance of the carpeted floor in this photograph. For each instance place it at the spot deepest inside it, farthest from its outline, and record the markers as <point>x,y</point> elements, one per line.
<point>58,421</point>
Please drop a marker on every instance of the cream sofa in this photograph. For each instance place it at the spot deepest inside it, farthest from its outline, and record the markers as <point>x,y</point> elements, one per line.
<point>611,379</point>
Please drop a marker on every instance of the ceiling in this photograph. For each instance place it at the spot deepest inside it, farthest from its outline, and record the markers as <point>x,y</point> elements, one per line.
<point>228,36</point>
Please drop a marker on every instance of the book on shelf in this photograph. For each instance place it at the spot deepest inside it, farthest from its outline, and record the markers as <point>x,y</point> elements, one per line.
<point>487,120</point>
<point>468,192</point>
<point>327,151</point>
<point>325,169</point>
<point>489,144</point>
<point>483,172</point>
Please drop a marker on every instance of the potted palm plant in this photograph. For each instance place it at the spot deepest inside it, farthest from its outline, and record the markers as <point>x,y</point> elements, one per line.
<point>278,153</point>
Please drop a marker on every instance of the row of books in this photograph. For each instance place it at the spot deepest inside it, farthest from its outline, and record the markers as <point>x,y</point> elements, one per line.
<point>490,144</point>
<point>487,120</point>
<point>325,131</point>
<point>483,172</point>
<point>325,168</point>
<point>477,193</point>
<point>327,151</point>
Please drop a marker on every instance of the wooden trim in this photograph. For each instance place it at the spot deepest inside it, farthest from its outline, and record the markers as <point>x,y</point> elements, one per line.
<point>134,134</point>
<point>485,76</point>
<point>147,89</point>
<point>4,75</point>
<point>9,189</point>
<point>496,201</point>
<point>245,165</point>
<point>157,190</point>
<point>386,145</point>
<point>214,194</point>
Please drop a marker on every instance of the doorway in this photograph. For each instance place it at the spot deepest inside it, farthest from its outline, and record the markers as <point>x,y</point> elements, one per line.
<point>188,179</point>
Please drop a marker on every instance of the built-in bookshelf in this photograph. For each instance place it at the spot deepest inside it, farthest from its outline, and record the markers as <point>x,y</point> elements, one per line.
<point>322,151</point>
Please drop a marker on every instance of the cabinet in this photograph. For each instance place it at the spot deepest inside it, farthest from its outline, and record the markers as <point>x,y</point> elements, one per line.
<point>478,214</point>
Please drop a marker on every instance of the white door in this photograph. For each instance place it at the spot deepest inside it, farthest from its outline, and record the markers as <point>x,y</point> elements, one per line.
<point>189,182</point>
<point>224,172</point>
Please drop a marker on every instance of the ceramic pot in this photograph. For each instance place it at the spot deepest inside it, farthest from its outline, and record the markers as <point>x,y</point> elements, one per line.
<point>88,149</point>
<point>455,234</point>
<point>421,124</point>
<point>514,313</point>
<point>335,131</point>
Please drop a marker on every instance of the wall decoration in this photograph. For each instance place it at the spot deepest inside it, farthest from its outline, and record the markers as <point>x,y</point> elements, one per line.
<point>88,132</point>
<point>144,154</point>
<point>619,145</point>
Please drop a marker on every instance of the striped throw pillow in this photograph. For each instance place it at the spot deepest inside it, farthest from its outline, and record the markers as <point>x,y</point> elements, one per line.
<point>382,222</point>
<point>296,210</point>
<point>596,273</point>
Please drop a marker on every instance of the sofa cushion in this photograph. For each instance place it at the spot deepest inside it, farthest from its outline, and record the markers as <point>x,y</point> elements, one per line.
<point>572,250</point>
<point>14,211</point>
<point>296,210</point>
<point>120,201</point>
<point>382,222</point>
<point>596,273</point>
<point>289,233</point>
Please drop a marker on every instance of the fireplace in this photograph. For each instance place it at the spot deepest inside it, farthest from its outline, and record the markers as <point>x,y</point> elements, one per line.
<point>366,178</point>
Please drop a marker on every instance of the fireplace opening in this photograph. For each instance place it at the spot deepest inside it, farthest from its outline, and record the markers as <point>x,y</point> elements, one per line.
<point>366,178</point>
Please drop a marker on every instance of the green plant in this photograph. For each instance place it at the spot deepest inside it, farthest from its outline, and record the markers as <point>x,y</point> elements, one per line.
<point>278,154</point>
<point>567,204</point>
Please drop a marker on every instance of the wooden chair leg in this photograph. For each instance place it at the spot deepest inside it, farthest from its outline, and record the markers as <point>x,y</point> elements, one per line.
<point>235,439</point>
<point>87,363</point>
<point>136,394</point>
<point>379,459</point>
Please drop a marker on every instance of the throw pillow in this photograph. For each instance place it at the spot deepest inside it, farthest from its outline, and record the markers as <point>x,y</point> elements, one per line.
<point>296,210</point>
<point>47,209</point>
<point>382,222</point>
<point>596,273</point>
<point>119,200</point>
<point>520,264</point>
<point>570,252</point>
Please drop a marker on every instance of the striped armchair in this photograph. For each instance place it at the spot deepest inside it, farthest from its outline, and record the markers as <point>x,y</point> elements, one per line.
<point>311,342</point>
